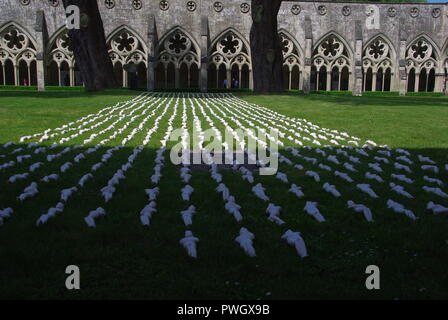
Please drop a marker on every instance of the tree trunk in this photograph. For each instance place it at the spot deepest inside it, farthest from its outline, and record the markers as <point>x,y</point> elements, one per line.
<point>266,50</point>
<point>89,47</point>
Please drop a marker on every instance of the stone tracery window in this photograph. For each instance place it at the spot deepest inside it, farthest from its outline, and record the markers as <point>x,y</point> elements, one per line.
<point>61,62</point>
<point>229,61</point>
<point>178,61</point>
<point>292,66</point>
<point>377,65</point>
<point>421,64</point>
<point>331,65</point>
<point>17,56</point>
<point>124,48</point>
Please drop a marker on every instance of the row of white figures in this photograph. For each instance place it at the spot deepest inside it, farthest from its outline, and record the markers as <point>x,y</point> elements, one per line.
<point>245,240</point>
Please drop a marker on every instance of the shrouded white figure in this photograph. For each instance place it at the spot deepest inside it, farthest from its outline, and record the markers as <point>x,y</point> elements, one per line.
<point>298,167</point>
<point>333,159</point>
<point>155,178</point>
<point>185,176</point>
<point>295,239</point>
<point>258,190</point>
<point>430,168</point>
<point>446,167</point>
<point>331,189</point>
<point>324,167</point>
<point>381,159</point>
<point>375,166</point>
<point>189,243</point>
<point>404,159</point>
<point>67,193</point>
<point>360,208</point>
<point>8,144</point>
<point>152,193</point>
<point>436,191</point>
<point>84,179</point>
<point>224,191</point>
<point>35,166</point>
<point>5,214</point>
<point>433,180</point>
<point>29,192</point>
<point>186,192</point>
<point>234,209</point>
<point>296,190</point>
<point>425,159</point>
<point>187,215</point>
<point>52,212</point>
<point>313,175</point>
<point>51,177</point>
<point>367,189</point>
<point>282,177</point>
<point>435,208</point>
<point>245,239</point>
<point>362,152</point>
<point>402,177</point>
<point>107,192</point>
<point>312,210</point>
<point>344,176</point>
<point>371,142</point>
<point>93,215</point>
<point>354,159</point>
<point>147,212</point>
<point>312,160</point>
<point>400,190</point>
<point>17,150</point>
<point>349,167</point>
<point>16,177</point>
<point>217,177</point>
<point>399,208</point>
<point>400,166</point>
<point>79,157</point>
<point>402,151</point>
<point>373,176</point>
<point>274,212</point>
<point>384,153</point>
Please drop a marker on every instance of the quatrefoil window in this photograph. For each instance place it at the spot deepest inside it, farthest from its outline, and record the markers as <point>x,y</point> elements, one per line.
<point>125,43</point>
<point>191,6</point>
<point>164,5</point>
<point>245,7</point>
<point>53,3</point>
<point>24,2</point>
<point>295,9</point>
<point>109,4</point>
<point>137,4</point>
<point>218,6</point>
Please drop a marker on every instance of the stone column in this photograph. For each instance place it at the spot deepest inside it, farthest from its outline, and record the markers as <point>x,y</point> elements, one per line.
<point>203,76</point>
<point>152,59</point>
<point>329,80</point>
<point>306,75</point>
<point>439,82</point>
<point>41,42</point>
<point>357,83</point>
<point>402,77</point>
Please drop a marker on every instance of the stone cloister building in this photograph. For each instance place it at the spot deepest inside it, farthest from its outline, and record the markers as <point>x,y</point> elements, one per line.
<point>197,44</point>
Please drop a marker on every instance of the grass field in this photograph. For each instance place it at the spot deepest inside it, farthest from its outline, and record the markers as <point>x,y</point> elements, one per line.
<point>120,258</point>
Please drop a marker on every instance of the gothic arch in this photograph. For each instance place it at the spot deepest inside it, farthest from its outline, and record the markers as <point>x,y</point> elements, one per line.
<point>17,55</point>
<point>126,46</point>
<point>332,63</point>
<point>229,63</point>
<point>378,58</point>
<point>178,60</point>
<point>422,63</point>
<point>292,60</point>
<point>60,60</point>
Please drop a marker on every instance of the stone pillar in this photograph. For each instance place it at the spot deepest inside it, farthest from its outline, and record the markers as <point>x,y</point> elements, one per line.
<point>402,77</point>
<point>41,42</point>
<point>152,59</point>
<point>329,80</point>
<point>357,83</point>
<point>203,75</point>
<point>439,82</point>
<point>306,75</point>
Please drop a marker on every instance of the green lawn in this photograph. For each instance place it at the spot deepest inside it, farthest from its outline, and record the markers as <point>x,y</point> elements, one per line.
<point>122,259</point>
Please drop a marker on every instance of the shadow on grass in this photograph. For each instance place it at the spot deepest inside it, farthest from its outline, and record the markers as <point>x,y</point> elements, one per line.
<point>122,259</point>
